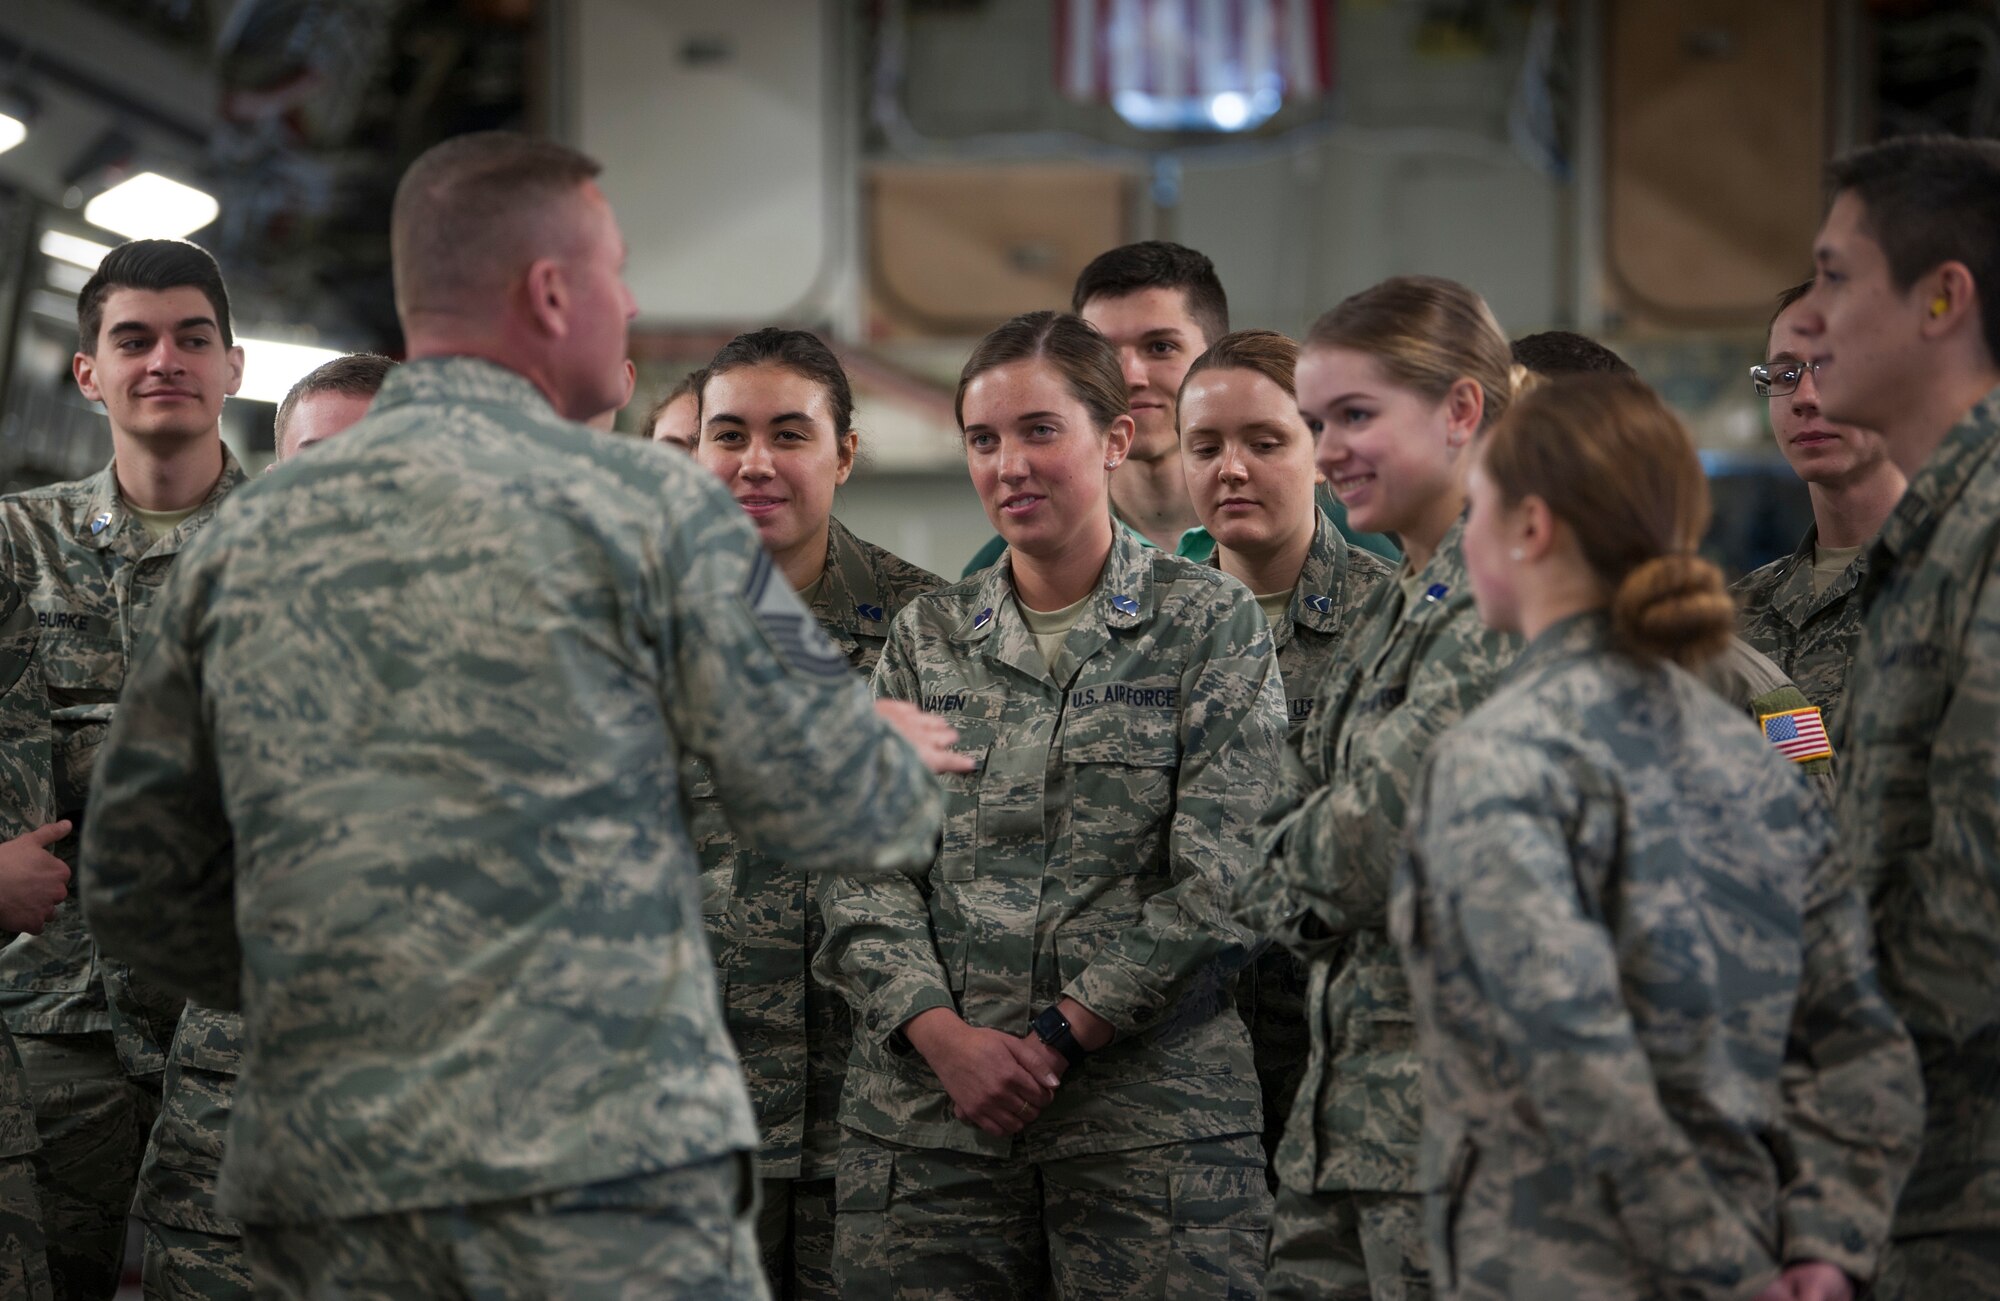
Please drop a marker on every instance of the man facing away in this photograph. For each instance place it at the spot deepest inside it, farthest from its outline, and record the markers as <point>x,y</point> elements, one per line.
<point>442,867</point>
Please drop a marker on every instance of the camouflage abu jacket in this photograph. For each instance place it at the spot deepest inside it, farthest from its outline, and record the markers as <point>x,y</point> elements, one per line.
<point>92,574</point>
<point>1091,854</point>
<point>1812,638</point>
<point>445,865</point>
<point>1656,1061</point>
<point>1406,672</point>
<point>793,1033</point>
<point>1919,808</point>
<point>26,803</point>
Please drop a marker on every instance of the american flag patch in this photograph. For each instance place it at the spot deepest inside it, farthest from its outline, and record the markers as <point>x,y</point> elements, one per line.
<point>1798,734</point>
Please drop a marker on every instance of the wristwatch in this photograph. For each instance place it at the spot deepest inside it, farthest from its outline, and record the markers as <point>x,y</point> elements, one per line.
<point>1052,1028</point>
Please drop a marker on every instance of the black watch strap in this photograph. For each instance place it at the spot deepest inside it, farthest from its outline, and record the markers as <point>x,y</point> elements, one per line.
<point>1052,1028</point>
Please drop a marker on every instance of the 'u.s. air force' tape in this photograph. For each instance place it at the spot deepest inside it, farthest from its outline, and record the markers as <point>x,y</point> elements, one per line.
<point>797,635</point>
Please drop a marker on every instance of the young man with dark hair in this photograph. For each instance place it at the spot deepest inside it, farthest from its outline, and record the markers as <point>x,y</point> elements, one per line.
<point>1902,332</point>
<point>328,400</point>
<point>1565,352</point>
<point>1804,610</point>
<point>154,346</point>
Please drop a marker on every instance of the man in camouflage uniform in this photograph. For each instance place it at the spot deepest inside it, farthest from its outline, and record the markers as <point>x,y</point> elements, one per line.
<point>1612,1104</point>
<point>1904,322</point>
<point>1804,610</point>
<point>33,885</point>
<point>792,1032</point>
<point>155,348</point>
<point>193,1252</point>
<point>444,867</point>
<point>1348,1218</point>
<point>1087,860</point>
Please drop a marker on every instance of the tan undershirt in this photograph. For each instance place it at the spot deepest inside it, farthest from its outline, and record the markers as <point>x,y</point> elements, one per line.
<point>1829,563</point>
<point>1051,627</point>
<point>811,591</point>
<point>1413,585</point>
<point>159,523</point>
<point>1276,605</point>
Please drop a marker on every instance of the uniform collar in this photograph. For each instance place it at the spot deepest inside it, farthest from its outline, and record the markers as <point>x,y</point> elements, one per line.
<point>1792,596</point>
<point>460,379</point>
<point>1442,578</point>
<point>107,522</point>
<point>1316,601</point>
<point>850,600</point>
<point>1579,634</point>
<point>1122,600</point>
<point>1942,478</point>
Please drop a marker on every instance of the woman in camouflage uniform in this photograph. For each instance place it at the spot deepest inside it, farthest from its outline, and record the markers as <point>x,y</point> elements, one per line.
<point>1611,896</point>
<point>1249,462</point>
<point>1052,1093</point>
<point>1395,382</point>
<point>777,427</point>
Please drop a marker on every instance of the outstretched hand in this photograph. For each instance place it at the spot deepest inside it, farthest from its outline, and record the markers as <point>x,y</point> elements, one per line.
<point>931,735</point>
<point>32,880</point>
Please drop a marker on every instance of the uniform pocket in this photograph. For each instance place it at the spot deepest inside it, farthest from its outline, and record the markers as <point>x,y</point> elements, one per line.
<point>862,1182</point>
<point>1123,770</point>
<point>958,849</point>
<point>1221,1216</point>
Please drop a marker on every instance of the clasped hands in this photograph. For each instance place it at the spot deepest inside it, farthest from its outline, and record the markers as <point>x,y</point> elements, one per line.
<point>998,1082</point>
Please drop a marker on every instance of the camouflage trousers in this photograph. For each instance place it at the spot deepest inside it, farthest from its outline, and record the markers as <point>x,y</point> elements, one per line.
<point>795,1235</point>
<point>1271,997</point>
<point>1962,1266</point>
<point>679,1233</point>
<point>24,1270</point>
<point>1183,1221</point>
<point>189,1265</point>
<point>1347,1246</point>
<point>93,1120</point>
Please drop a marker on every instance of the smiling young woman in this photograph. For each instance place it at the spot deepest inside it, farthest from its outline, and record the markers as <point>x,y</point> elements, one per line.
<point>777,429</point>
<point>1054,1085</point>
<point>1395,382</point>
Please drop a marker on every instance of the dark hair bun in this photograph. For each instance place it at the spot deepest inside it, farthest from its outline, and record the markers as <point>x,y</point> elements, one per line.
<point>1676,607</point>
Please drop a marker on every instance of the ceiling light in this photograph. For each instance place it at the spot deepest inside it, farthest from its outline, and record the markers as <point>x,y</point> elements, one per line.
<point>77,252</point>
<point>12,131</point>
<point>149,206</point>
<point>271,368</point>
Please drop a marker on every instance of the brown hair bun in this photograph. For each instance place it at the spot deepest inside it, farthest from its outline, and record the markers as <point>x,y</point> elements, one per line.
<point>1676,607</point>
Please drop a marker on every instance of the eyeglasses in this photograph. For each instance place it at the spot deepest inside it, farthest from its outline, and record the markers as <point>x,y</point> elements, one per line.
<point>1776,379</point>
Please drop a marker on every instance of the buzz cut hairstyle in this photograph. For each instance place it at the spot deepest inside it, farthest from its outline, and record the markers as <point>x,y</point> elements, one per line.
<point>1158,264</point>
<point>154,265</point>
<point>1555,353</point>
<point>1929,200</point>
<point>475,209</point>
<point>358,374</point>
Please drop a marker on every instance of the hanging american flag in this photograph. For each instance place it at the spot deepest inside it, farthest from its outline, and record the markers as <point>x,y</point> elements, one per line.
<point>1219,64</point>
<point>1798,734</point>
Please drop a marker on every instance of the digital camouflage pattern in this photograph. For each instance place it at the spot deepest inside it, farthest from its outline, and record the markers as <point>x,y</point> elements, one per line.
<point>26,802</point>
<point>1656,1061</point>
<point>192,1248</point>
<point>790,1031</point>
<point>1346,1246</point>
<point>1411,667</point>
<point>189,1265</point>
<point>1810,638</point>
<point>1333,587</point>
<point>1090,855</point>
<point>92,574</point>
<point>460,902</point>
<point>677,1233</point>
<point>1919,816</point>
<point>1184,1221</point>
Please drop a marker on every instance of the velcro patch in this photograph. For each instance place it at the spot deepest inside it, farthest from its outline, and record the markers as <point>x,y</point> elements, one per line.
<point>1798,734</point>
<point>796,635</point>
